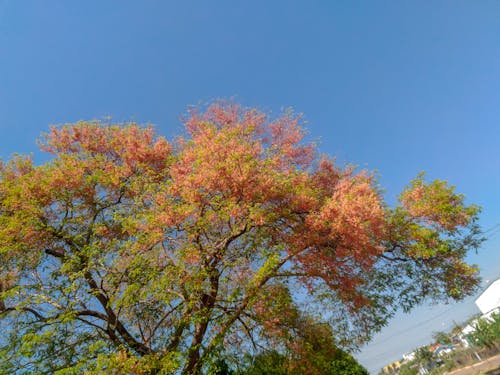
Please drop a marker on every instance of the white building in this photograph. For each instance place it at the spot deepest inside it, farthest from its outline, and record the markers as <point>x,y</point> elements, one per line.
<point>488,303</point>
<point>409,356</point>
<point>489,300</point>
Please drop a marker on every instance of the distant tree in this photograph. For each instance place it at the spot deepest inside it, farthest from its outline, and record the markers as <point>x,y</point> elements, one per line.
<point>441,338</point>
<point>486,333</point>
<point>409,369</point>
<point>126,253</point>
<point>424,354</point>
<point>424,357</point>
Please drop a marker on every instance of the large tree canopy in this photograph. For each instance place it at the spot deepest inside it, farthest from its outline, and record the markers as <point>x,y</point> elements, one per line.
<point>129,253</point>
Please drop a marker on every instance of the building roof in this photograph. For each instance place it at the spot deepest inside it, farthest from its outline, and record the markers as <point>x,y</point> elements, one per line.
<point>490,298</point>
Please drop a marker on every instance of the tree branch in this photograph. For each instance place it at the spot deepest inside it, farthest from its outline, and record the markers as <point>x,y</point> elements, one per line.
<point>114,323</point>
<point>39,316</point>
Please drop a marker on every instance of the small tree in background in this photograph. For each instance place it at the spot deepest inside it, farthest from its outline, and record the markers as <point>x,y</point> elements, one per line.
<point>442,338</point>
<point>126,253</point>
<point>486,333</point>
<point>424,356</point>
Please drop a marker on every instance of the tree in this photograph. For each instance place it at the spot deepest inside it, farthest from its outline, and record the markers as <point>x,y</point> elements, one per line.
<point>442,338</point>
<point>345,364</point>
<point>486,332</point>
<point>266,363</point>
<point>274,363</point>
<point>409,369</point>
<point>312,351</point>
<point>220,367</point>
<point>424,356</point>
<point>126,253</point>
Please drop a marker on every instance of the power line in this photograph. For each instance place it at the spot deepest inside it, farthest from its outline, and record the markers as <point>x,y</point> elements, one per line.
<point>414,326</point>
<point>491,231</point>
<point>491,228</point>
<point>489,236</point>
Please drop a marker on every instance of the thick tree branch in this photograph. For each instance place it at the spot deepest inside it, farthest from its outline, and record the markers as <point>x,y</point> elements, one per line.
<point>114,323</point>
<point>193,363</point>
<point>246,300</point>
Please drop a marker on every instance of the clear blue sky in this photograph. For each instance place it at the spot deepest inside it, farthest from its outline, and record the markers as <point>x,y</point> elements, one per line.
<point>396,86</point>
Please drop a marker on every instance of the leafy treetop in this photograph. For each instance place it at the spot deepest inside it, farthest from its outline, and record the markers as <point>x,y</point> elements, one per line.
<point>126,252</point>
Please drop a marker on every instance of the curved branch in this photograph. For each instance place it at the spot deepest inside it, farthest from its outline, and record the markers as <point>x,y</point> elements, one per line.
<point>35,313</point>
<point>114,324</point>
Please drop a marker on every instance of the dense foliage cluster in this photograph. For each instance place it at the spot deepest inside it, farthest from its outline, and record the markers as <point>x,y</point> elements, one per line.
<point>128,253</point>
<point>486,333</point>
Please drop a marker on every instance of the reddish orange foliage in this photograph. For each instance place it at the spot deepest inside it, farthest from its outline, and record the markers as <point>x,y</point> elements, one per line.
<point>178,245</point>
